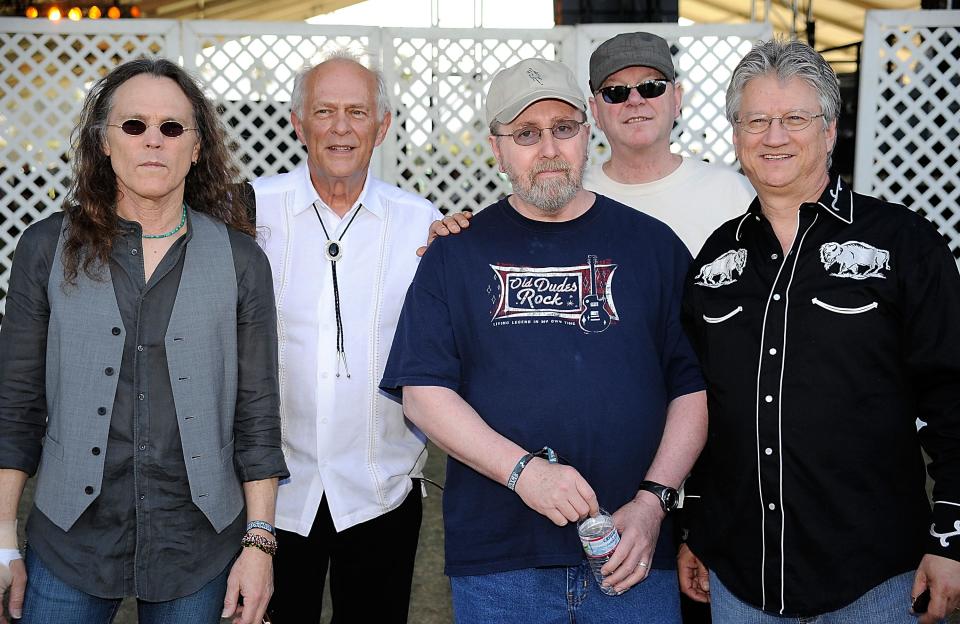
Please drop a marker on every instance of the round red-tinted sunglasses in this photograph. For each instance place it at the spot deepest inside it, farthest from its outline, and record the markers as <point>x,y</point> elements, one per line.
<point>136,127</point>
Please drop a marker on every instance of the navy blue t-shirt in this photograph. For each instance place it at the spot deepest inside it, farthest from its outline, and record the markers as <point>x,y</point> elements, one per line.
<point>564,335</point>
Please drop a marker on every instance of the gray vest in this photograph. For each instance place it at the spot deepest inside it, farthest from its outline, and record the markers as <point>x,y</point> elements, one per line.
<point>84,350</point>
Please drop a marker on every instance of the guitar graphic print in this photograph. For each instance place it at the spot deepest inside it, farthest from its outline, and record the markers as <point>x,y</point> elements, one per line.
<point>595,318</point>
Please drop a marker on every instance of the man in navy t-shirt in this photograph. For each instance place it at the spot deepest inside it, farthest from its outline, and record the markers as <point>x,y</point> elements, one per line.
<point>550,330</point>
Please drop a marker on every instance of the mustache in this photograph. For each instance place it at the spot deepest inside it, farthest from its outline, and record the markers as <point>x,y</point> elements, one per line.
<point>544,166</point>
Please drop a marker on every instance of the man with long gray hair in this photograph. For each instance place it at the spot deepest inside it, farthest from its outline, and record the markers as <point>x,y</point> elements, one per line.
<point>342,245</point>
<point>826,325</point>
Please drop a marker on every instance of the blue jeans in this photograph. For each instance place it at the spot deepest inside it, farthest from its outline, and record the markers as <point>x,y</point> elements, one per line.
<point>887,603</point>
<point>51,601</point>
<point>562,595</point>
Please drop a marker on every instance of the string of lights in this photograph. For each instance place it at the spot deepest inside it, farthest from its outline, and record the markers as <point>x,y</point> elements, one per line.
<point>74,11</point>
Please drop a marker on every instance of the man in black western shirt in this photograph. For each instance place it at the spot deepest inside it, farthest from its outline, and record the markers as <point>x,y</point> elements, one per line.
<point>826,325</point>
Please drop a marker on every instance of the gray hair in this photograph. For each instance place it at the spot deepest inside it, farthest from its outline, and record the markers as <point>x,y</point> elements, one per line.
<point>341,54</point>
<point>786,60</point>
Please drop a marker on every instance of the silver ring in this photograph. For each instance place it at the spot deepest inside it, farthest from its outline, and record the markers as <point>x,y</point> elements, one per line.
<point>642,564</point>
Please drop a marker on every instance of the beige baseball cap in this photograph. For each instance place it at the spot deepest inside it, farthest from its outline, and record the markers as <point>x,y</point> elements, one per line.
<point>520,85</point>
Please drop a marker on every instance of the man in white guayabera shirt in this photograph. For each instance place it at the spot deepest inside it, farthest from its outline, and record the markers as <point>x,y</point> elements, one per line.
<point>341,244</point>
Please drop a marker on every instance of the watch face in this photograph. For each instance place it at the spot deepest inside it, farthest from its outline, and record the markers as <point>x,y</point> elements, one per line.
<point>670,498</point>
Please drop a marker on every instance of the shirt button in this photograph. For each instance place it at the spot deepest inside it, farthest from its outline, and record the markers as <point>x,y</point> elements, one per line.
<point>116,331</point>
<point>95,450</point>
<point>776,297</point>
<point>324,375</point>
<point>774,256</point>
<point>108,371</point>
<point>771,506</point>
<point>143,447</point>
<point>773,351</point>
<point>768,399</point>
<point>323,421</point>
<point>134,251</point>
<point>141,396</point>
<point>768,451</point>
<point>101,410</point>
<point>88,489</point>
<point>139,347</point>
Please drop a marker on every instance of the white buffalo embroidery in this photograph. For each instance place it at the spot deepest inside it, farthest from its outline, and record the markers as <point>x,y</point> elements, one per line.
<point>720,271</point>
<point>854,259</point>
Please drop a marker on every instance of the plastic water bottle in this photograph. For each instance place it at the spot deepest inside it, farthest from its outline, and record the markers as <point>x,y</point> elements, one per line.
<point>599,537</point>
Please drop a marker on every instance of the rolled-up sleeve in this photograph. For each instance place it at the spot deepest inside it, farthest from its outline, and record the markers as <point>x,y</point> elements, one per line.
<point>23,346</point>
<point>258,454</point>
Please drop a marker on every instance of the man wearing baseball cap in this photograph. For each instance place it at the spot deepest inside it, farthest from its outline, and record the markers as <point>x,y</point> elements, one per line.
<point>636,99</point>
<point>542,350</point>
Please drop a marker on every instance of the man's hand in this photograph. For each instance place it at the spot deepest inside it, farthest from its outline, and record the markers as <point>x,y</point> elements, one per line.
<point>252,578</point>
<point>558,492</point>
<point>453,223</point>
<point>639,524</point>
<point>694,577</point>
<point>13,580</point>
<point>942,577</point>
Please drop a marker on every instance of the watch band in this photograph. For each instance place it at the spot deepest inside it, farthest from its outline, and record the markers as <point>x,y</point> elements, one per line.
<point>668,496</point>
<point>260,524</point>
<point>546,453</point>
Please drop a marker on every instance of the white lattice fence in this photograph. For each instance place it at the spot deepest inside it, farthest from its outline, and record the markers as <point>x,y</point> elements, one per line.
<point>46,71</point>
<point>908,122</point>
<point>438,144</point>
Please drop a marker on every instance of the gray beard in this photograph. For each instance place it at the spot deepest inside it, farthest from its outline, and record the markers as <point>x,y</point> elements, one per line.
<point>549,196</point>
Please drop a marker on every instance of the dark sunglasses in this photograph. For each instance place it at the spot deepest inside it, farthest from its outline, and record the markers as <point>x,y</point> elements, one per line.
<point>647,89</point>
<point>136,127</point>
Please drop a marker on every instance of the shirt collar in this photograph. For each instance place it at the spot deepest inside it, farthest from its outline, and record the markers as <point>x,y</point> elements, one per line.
<point>836,200</point>
<point>306,194</point>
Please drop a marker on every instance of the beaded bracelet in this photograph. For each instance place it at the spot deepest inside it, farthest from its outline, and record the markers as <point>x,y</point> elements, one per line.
<point>259,542</point>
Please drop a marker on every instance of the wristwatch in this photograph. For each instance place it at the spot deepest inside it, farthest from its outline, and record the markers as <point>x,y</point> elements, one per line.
<point>669,497</point>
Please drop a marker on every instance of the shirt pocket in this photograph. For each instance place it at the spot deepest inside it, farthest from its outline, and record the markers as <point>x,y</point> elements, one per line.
<point>863,309</point>
<point>714,320</point>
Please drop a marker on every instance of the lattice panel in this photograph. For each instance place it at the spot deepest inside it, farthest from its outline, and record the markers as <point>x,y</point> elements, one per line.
<point>907,134</point>
<point>704,57</point>
<point>438,147</point>
<point>251,77</point>
<point>45,74</point>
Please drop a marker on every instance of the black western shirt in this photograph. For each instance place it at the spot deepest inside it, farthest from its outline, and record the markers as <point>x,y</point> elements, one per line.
<point>142,536</point>
<point>827,369</point>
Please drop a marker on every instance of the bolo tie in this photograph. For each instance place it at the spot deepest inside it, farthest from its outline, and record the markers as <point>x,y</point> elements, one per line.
<point>333,249</point>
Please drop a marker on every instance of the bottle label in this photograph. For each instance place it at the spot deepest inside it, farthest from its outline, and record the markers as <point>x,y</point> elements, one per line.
<point>602,546</point>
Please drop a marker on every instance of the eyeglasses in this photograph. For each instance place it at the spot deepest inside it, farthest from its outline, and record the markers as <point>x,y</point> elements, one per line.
<point>564,129</point>
<point>794,121</point>
<point>136,127</point>
<point>648,89</point>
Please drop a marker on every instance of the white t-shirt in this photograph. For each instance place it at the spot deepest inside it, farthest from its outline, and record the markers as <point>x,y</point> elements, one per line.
<point>694,200</point>
<point>341,436</point>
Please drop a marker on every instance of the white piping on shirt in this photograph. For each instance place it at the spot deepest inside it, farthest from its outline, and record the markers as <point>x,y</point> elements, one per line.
<point>783,356</point>
<point>839,310</point>
<point>720,319</point>
<point>946,503</point>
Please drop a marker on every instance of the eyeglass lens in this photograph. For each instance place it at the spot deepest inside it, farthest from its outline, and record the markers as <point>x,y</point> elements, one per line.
<point>793,121</point>
<point>648,89</point>
<point>136,127</point>
<point>566,129</point>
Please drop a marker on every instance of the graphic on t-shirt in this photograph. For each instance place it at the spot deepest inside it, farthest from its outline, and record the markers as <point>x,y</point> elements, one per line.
<point>594,318</point>
<point>549,295</point>
<point>855,260</point>
<point>720,272</point>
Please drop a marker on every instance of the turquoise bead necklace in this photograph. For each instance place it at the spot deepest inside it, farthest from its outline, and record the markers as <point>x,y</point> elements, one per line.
<point>183,221</point>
